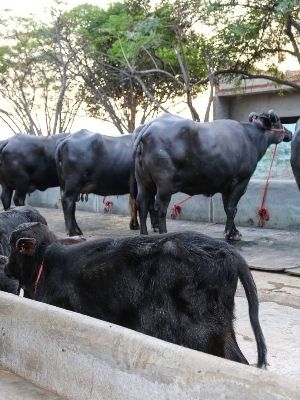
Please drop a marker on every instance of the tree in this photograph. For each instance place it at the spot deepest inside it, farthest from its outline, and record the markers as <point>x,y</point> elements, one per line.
<point>35,77</point>
<point>251,38</point>
<point>134,60</point>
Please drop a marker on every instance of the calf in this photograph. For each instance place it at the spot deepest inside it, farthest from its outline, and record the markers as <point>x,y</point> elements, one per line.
<point>178,287</point>
<point>9,220</point>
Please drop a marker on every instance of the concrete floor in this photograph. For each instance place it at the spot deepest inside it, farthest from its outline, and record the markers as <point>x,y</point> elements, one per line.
<point>280,325</point>
<point>279,293</point>
<point>279,296</point>
<point>267,249</point>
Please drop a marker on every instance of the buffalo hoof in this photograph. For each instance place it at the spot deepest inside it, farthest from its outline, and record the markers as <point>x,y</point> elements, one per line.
<point>134,226</point>
<point>233,236</point>
<point>76,232</point>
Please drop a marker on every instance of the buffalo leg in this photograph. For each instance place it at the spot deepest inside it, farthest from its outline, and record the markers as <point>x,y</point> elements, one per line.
<point>134,225</point>
<point>232,350</point>
<point>19,198</point>
<point>132,203</point>
<point>152,212</point>
<point>225,203</point>
<point>153,216</point>
<point>6,196</point>
<point>230,206</point>
<point>161,206</point>
<point>76,226</point>
<point>143,201</point>
<point>69,205</point>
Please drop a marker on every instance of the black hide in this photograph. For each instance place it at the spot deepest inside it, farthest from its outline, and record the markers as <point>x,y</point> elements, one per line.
<point>9,220</point>
<point>173,155</point>
<point>178,287</point>
<point>89,162</point>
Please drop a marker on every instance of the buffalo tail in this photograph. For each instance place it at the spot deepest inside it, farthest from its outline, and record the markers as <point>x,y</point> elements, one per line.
<point>248,283</point>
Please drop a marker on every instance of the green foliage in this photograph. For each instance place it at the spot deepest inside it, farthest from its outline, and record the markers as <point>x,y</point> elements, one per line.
<point>34,75</point>
<point>125,41</point>
<point>129,58</point>
<point>245,34</point>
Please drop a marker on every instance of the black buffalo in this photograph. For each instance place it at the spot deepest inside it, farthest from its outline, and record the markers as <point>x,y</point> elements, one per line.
<point>89,162</point>
<point>173,155</point>
<point>9,220</point>
<point>295,153</point>
<point>27,164</point>
<point>178,287</point>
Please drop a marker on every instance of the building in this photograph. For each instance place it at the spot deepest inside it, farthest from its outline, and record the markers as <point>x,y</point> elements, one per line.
<point>258,95</point>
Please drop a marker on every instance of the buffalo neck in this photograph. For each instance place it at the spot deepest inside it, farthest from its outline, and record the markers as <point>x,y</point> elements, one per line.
<point>261,138</point>
<point>34,266</point>
<point>28,282</point>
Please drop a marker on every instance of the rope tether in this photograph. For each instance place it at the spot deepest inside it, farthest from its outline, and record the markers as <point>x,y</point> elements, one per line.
<point>108,204</point>
<point>263,212</point>
<point>176,209</point>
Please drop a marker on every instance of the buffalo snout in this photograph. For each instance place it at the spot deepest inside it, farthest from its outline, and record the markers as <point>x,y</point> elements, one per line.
<point>3,259</point>
<point>288,135</point>
<point>5,265</point>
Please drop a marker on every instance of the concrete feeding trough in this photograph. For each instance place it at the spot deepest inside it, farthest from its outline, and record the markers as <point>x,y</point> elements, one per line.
<point>79,357</point>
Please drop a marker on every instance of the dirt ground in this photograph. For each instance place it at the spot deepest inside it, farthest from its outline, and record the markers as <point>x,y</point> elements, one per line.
<point>279,292</point>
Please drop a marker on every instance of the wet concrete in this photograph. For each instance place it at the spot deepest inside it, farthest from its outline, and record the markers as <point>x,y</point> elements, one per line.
<point>280,325</point>
<point>277,287</point>
<point>267,249</point>
<point>279,296</point>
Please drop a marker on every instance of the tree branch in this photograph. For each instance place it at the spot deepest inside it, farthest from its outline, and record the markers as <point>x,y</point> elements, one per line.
<point>249,76</point>
<point>292,38</point>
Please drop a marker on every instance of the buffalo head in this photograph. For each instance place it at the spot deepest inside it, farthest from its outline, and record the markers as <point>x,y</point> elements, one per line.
<point>276,123</point>
<point>28,243</point>
<point>271,123</point>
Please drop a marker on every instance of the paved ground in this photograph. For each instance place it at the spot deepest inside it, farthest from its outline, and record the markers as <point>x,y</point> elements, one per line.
<point>279,293</point>
<point>267,249</point>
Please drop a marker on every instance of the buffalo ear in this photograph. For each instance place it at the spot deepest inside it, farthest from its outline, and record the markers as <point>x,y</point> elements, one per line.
<point>26,246</point>
<point>252,116</point>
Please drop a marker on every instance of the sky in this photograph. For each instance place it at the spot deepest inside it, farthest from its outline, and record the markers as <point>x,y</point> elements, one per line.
<point>37,7</point>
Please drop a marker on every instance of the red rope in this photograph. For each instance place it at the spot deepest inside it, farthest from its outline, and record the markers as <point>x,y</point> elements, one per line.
<point>38,276</point>
<point>108,204</point>
<point>263,212</point>
<point>176,209</point>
